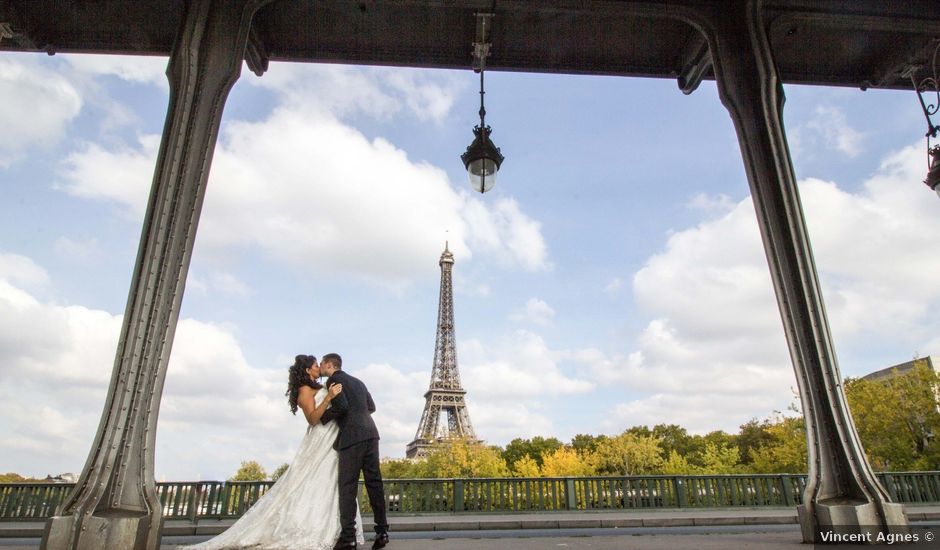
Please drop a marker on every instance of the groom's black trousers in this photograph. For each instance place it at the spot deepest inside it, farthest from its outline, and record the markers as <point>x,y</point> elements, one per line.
<point>360,457</point>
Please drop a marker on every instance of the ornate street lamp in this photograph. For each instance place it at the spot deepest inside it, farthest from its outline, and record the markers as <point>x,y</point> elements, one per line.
<point>482,158</point>
<point>933,176</point>
<point>930,84</point>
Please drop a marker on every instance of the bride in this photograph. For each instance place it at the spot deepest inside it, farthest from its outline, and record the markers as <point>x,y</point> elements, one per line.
<point>301,510</point>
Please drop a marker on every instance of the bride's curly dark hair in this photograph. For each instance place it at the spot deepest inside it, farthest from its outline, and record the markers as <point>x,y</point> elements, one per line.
<point>298,377</point>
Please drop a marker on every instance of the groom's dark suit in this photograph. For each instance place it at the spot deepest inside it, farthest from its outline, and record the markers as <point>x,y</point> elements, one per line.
<point>358,448</point>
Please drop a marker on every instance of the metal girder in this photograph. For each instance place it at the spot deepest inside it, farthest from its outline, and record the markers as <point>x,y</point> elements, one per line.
<point>833,42</point>
<point>115,504</point>
<point>842,493</point>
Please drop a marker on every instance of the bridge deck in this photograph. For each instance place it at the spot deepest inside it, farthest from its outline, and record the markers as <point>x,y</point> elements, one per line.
<point>449,523</point>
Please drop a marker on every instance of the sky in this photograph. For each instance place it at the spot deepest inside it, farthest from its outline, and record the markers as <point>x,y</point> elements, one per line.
<point>614,276</point>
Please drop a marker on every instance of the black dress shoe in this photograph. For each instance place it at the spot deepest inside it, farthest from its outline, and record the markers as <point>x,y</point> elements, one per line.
<point>381,539</point>
<point>345,545</point>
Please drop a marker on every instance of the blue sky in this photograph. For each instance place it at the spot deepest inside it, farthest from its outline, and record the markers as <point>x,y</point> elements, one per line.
<point>613,277</point>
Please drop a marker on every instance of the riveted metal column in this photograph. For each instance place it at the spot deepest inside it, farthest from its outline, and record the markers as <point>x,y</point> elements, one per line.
<point>115,503</point>
<point>842,493</point>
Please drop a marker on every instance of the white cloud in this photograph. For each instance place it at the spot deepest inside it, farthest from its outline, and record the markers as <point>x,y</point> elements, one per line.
<point>22,270</point>
<point>227,283</point>
<point>137,69</point>
<point>712,205</point>
<point>714,353</point>
<point>85,249</point>
<point>378,92</point>
<point>614,286</point>
<point>51,101</point>
<point>56,363</point>
<point>122,176</point>
<point>316,194</point>
<point>829,130</point>
<point>429,98</point>
<point>399,400</point>
<point>513,384</point>
<point>509,387</point>
<point>693,411</point>
<point>535,311</point>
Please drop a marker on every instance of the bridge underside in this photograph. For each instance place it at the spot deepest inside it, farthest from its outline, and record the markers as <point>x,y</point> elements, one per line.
<point>859,43</point>
<point>749,47</point>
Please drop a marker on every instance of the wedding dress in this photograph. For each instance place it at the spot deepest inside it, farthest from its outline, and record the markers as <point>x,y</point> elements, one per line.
<point>301,510</point>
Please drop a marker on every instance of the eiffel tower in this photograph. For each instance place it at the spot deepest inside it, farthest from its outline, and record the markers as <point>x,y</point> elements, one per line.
<point>445,393</point>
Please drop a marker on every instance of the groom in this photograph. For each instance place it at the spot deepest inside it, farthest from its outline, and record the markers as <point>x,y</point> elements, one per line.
<point>358,447</point>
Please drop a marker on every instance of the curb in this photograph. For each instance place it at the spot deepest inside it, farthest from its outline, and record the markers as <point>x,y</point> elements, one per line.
<point>34,529</point>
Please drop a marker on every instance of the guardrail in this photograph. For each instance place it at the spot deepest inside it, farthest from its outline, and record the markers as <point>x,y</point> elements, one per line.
<point>222,500</point>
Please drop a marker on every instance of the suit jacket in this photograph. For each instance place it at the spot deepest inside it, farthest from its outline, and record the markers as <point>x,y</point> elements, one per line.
<point>352,409</point>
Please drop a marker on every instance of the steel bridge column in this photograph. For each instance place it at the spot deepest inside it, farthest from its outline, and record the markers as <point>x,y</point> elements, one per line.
<point>115,504</point>
<point>842,493</point>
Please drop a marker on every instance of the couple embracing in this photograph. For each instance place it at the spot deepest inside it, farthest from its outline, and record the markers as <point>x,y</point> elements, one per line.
<point>314,505</point>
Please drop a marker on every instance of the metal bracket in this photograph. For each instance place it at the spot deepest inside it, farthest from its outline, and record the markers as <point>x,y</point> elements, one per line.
<point>256,55</point>
<point>481,46</point>
<point>697,62</point>
<point>930,84</point>
<point>6,31</point>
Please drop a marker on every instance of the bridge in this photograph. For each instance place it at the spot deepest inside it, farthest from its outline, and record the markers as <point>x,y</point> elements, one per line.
<point>458,506</point>
<point>749,47</point>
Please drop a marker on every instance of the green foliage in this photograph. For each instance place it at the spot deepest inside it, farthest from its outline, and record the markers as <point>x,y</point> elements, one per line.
<point>526,467</point>
<point>12,477</point>
<point>754,435</point>
<point>276,474</point>
<point>565,461</point>
<point>720,458</point>
<point>785,451</point>
<point>535,448</point>
<point>677,464</point>
<point>459,457</point>
<point>675,438</point>
<point>250,470</point>
<point>586,444</point>
<point>402,468</point>
<point>897,418</point>
<point>628,454</point>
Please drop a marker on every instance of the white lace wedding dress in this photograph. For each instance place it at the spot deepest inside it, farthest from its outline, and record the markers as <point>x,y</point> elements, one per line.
<point>301,510</point>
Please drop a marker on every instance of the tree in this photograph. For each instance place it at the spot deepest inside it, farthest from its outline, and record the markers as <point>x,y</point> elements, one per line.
<point>402,468</point>
<point>677,464</point>
<point>673,437</point>
<point>250,470</point>
<point>586,444</point>
<point>640,431</point>
<point>276,474</point>
<point>753,435</point>
<point>536,447</point>
<point>719,459</point>
<point>897,418</point>
<point>785,452</point>
<point>12,477</point>
<point>526,467</point>
<point>565,461</point>
<point>628,454</point>
<point>459,457</point>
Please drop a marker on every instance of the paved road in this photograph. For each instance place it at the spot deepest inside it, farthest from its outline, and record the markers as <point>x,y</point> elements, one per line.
<point>772,537</point>
<point>787,537</point>
<point>731,537</point>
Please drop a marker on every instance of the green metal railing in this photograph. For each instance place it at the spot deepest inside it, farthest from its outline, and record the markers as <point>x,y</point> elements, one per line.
<point>222,500</point>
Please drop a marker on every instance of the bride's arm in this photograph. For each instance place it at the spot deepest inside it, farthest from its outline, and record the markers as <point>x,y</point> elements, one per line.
<point>307,402</point>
